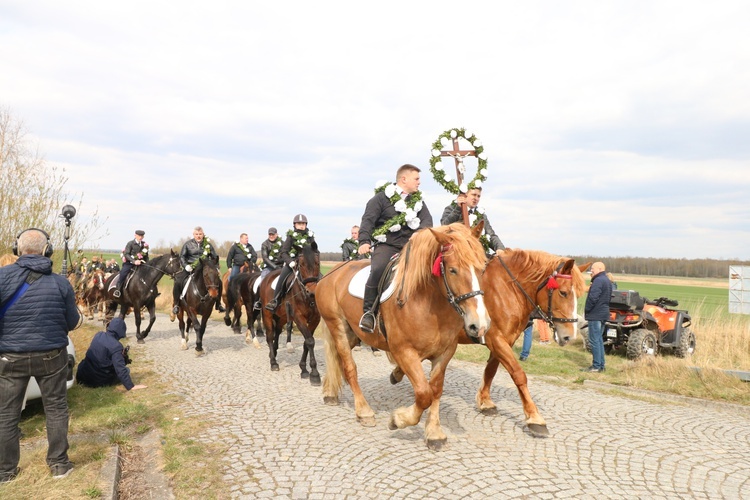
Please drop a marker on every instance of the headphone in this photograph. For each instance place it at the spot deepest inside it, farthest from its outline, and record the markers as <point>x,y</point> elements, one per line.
<point>47,247</point>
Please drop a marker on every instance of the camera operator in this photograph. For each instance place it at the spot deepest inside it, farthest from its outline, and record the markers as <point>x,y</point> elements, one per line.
<point>105,359</point>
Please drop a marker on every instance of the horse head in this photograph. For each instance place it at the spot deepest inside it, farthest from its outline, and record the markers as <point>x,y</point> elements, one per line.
<point>308,263</point>
<point>99,279</point>
<point>209,269</point>
<point>173,265</point>
<point>451,259</point>
<point>557,296</point>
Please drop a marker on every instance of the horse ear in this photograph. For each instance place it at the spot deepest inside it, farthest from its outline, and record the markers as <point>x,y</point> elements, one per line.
<point>585,266</point>
<point>442,238</point>
<point>477,231</point>
<point>314,246</point>
<point>568,267</point>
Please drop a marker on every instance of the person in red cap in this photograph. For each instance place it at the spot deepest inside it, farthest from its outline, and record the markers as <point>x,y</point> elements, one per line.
<point>134,254</point>
<point>296,240</point>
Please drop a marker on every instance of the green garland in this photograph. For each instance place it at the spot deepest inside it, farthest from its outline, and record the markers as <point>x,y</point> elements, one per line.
<point>300,240</point>
<point>483,239</point>
<point>274,253</point>
<point>354,252</point>
<point>206,246</point>
<point>442,177</point>
<point>396,222</point>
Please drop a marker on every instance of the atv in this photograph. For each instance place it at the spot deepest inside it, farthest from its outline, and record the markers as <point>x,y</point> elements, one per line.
<point>645,327</point>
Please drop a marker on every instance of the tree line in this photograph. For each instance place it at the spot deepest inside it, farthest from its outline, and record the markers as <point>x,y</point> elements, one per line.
<point>649,266</point>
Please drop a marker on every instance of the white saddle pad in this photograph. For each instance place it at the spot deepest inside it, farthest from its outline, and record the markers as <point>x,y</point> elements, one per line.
<point>256,285</point>
<point>358,282</point>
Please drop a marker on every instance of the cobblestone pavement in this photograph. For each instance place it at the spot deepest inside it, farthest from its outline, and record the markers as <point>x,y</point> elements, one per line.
<point>283,442</point>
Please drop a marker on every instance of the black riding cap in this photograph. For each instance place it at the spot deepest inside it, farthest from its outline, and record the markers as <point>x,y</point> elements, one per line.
<point>140,232</point>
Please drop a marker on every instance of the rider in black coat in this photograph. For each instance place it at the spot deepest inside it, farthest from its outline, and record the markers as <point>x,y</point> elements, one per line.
<point>240,253</point>
<point>134,254</point>
<point>190,253</point>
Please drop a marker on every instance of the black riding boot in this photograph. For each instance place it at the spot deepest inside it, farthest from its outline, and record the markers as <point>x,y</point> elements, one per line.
<point>279,292</point>
<point>367,323</point>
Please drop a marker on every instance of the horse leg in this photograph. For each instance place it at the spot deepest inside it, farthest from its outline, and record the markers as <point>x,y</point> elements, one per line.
<point>534,421</point>
<point>289,326</point>
<point>137,314</point>
<point>340,364</point>
<point>151,319</point>
<point>200,329</point>
<point>433,431</point>
<point>483,399</point>
<point>183,330</point>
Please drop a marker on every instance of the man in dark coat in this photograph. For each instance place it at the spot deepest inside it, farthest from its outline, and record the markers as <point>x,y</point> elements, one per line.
<point>596,313</point>
<point>296,239</point>
<point>453,213</point>
<point>241,252</point>
<point>350,246</point>
<point>270,251</point>
<point>34,325</point>
<point>134,254</point>
<point>104,363</point>
<point>192,251</point>
<point>379,210</point>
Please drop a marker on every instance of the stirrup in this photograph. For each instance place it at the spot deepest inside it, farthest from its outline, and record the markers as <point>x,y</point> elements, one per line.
<point>367,322</point>
<point>116,294</point>
<point>271,306</point>
<point>257,306</point>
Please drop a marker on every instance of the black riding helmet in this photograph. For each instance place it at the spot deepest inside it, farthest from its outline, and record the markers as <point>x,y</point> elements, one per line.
<point>300,218</point>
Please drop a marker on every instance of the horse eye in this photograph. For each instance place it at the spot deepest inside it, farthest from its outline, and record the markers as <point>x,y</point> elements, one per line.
<point>453,270</point>
<point>564,294</point>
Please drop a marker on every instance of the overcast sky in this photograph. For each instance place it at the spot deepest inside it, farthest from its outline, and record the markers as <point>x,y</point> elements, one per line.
<point>611,128</point>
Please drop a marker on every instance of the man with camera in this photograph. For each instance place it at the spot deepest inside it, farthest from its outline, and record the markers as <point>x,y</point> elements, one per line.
<point>105,359</point>
<point>37,310</point>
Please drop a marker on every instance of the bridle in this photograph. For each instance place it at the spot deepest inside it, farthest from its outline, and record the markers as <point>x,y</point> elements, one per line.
<point>438,269</point>
<point>309,296</point>
<point>552,285</point>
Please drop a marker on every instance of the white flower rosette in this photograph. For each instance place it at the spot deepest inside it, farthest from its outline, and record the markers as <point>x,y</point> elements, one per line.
<point>414,223</point>
<point>418,206</point>
<point>472,219</point>
<point>390,190</point>
<point>380,238</point>
<point>302,241</point>
<point>310,234</point>
<point>409,214</point>
<point>395,228</point>
<point>400,206</point>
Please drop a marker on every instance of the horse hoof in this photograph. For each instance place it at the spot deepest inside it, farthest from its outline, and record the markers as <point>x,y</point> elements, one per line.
<point>200,353</point>
<point>274,368</point>
<point>394,381</point>
<point>315,380</point>
<point>256,343</point>
<point>376,353</point>
<point>537,430</point>
<point>289,347</point>
<point>331,400</point>
<point>183,347</point>
<point>305,374</point>
<point>141,341</point>
<point>392,424</point>
<point>436,444</point>
<point>367,421</point>
<point>227,321</point>
<point>492,411</point>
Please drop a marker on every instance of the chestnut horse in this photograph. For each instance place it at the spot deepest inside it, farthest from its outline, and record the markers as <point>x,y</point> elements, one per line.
<point>203,291</point>
<point>438,292</point>
<point>93,294</point>
<point>298,305</point>
<point>518,282</point>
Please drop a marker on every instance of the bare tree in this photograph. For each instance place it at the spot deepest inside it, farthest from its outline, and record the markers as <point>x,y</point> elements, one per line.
<point>32,192</point>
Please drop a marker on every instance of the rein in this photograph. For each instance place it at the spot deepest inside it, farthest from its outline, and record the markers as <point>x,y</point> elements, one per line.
<point>438,267</point>
<point>551,284</point>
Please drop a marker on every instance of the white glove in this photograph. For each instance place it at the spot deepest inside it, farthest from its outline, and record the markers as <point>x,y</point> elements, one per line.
<point>189,268</point>
<point>292,264</point>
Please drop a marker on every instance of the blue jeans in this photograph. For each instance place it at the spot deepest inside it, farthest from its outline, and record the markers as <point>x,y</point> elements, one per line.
<point>50,370</point>
<point>235,271</point>
<point>597,343</point>
<point>527,341</point>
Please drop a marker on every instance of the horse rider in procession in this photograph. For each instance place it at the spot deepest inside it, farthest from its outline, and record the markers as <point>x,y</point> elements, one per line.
<point>134,254</point>
<point>452,213</point>
<point>241,252</point>
<point>190,253</point>
<point>380,209</point>
<point>295,241</point>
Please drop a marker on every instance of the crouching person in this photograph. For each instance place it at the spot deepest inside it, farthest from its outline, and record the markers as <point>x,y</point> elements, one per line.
<point>105,361</point>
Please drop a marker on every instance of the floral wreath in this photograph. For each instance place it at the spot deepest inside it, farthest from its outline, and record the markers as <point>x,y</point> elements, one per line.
<point>138,256</point>
<point>206,246</point>
<point>245,248</point>
<point>355,247</point>
<point>475,219</point>
<point>300,240</point>
<point>438,171</point>
<point>407,211</point>
<point>273,253</point>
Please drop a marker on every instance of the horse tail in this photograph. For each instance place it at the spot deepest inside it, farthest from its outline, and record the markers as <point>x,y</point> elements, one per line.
<point>333,379</point>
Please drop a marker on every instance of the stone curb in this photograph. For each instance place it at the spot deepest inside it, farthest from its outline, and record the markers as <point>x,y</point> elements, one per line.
<point>109,477</point>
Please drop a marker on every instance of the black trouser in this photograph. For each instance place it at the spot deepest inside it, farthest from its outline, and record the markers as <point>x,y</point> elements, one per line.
<point>280,285</point>
<point>179,284</point>
<point>380,257</point>
<point>126,267</point>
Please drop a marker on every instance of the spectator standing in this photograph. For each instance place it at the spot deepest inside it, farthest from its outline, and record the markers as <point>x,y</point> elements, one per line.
<point>596,313</point>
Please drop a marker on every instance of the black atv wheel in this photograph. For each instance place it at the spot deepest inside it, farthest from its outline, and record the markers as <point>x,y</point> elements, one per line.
<point>687,344</point>
<point>641,342</point>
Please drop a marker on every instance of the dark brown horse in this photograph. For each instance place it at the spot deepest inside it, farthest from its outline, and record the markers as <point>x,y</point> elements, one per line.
<point>93,294</point>
<point>141,290</point>
<point>203,291</point>
<point>240,294</point>
<point>298,306</point>
<point>438,292</point>
<point>518,282</point>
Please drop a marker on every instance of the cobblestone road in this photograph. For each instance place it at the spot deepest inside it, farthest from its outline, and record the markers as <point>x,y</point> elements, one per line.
<point>283,442</point>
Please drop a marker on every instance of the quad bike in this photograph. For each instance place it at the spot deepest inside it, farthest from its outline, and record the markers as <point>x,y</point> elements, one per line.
<point>646,327</point>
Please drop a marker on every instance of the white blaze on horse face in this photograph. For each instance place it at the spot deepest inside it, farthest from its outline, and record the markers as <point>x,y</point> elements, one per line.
<point>484,317</point>
<point>575,314</point>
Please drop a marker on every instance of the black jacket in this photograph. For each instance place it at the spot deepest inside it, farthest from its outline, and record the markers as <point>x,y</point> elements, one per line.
<point>289,247</point>
<point>271,258</point>
<point>237,255</point>
<point>452,213</point>
<point>132,249</point>
<point>192,251</point>
<point>597,301</point>
<point>349,250</point>
<point>379,210</point>
<point>104,361</point>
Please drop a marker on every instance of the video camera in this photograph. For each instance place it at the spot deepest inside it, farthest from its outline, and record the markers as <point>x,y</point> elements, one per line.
<point>125,354</point>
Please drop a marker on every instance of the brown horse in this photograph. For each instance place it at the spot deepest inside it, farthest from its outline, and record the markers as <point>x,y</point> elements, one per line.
<point>438,283</point>
<point>299,306</point>
<point>93,294</point>
<point>203,291</point>
<point>240,294</point>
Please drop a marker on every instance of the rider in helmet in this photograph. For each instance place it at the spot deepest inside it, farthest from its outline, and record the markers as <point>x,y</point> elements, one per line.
<point>134,254</point>
<point>296,239</point>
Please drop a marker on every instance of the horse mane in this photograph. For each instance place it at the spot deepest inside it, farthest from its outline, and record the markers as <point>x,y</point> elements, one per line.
<point>536,265</point>
<point>7,259</point>
<point>419,254</point>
